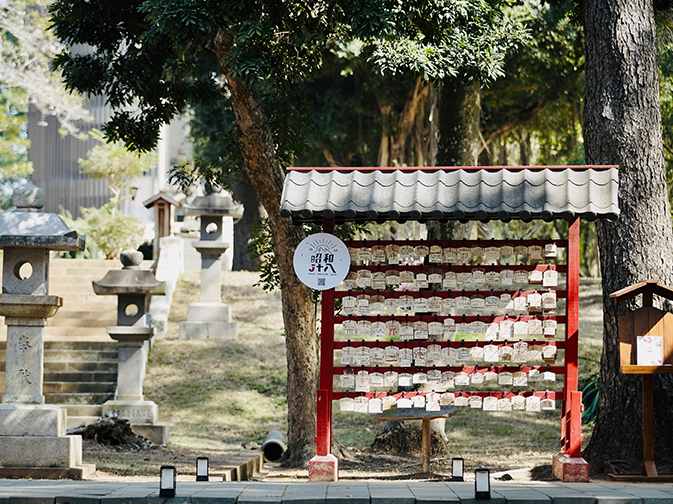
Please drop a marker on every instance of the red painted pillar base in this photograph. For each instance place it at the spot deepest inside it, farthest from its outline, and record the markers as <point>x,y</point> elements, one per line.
<point>323,468</point>
<point>570,469</point>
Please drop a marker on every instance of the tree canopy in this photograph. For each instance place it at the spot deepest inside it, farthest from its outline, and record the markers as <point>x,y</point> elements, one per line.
<point>154,58</point>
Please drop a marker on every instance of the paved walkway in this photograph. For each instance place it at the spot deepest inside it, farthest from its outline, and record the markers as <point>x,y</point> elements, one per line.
<point>345,492</point>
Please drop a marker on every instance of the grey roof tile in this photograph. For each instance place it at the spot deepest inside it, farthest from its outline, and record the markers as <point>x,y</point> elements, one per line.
<point>451,193</point>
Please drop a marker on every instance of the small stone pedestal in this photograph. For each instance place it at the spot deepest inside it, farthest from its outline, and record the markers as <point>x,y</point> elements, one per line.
<point>133,287</point>
<point>33,440</point>
<point>570,469</point>
<point>323,468</point>
<point>210,318</point>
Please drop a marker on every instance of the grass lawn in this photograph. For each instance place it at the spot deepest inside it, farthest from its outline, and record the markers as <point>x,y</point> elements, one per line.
<point>218,395</point>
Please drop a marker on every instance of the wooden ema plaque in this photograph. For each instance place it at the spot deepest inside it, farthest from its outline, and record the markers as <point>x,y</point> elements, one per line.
<point>652,329</point>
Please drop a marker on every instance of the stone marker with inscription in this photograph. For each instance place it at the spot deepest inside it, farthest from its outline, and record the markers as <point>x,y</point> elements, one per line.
<point>32,434</point>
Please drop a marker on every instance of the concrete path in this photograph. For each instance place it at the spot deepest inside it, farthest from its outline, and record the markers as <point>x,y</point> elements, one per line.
<point>344,492</point>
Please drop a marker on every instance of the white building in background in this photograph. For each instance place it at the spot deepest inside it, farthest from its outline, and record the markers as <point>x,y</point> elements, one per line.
<point>55,158</point>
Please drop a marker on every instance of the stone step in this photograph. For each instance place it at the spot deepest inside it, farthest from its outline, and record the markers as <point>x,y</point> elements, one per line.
<point>108,345</point>
<point>89,398</point>
<point>72,296</point>
<point>99,366</point>
<point>73,281</point>
<point>83,314</point>
<point>74,331</point>
<point>80,359</point>
<point>54,345</point>
<point>82,376</point>
<point>80,387</point>
<point>83,410</point>
<point>78,263</point>
<point>97,304</point>
<point>80,355</point>
<point>67,333</point>
<point>60,268</point>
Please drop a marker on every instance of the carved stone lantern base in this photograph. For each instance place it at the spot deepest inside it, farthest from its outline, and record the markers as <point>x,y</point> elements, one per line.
<point>130,403</point>
<point>143,416</point>
<point>208,321</point>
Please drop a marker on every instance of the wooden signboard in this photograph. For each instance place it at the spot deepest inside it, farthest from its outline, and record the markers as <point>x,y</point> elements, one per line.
<point>646,348</point>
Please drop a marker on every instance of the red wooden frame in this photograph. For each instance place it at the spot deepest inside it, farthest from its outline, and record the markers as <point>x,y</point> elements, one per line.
<point>571,421</point>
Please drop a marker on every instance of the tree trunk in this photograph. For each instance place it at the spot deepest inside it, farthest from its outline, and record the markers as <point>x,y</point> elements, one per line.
<point>459,106</point>
<point>622,125</point>
<point>414,140</point>
<point>244,193</point>
<point>267,177</point>
<point>457,145</point>
<point>458,141</point>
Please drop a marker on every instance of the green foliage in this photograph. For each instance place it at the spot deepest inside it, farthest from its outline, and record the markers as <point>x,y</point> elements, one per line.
<point>14,143</point>
<point>589,386</point>
<point>261,246</point>
<point>26,51</point>
<point>163,55</point>
<point>108,231</point>
<point>83,228</point>
<point>437,39</point>
<point>537,105</point>
<point>115,163</point>
<point>217,157</point>
<point>665,59</point>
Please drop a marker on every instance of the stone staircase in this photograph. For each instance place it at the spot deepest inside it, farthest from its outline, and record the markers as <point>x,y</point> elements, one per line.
<point>78,375</point>
<point>80,359</point>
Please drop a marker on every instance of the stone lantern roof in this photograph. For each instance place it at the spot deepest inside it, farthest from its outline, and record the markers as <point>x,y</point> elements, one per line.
<point>27,226</point>
<point>130,279</point>
<point>215,203</point>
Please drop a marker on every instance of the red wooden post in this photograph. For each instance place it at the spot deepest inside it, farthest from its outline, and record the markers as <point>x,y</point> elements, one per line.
<point>324,427</point>
<point>572,433</point>
<point>575,434</point>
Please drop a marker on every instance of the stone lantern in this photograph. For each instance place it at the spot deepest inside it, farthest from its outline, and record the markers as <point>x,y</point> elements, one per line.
<point>133,288</point>
<point>32,434</point>
<point>210,318</point>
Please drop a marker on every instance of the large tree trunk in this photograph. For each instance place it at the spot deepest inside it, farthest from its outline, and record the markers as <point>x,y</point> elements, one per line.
<point>622,126</point>
<point>459,107</point>
<point>267,177</point>
<point>457,145</point>
<point>457,140</point>
<point>244,193</point>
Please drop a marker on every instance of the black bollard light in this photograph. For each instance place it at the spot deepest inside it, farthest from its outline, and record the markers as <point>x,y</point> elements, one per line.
<point>457,469</point>
<point>482,483</point>
<point>202,466</point>
<point>167,481</point>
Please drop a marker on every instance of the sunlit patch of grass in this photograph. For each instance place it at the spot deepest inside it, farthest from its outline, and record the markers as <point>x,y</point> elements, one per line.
<point>222,393</point>
<point>216,394</point>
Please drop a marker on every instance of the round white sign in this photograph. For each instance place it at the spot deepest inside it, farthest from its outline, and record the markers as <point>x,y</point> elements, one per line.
<point>321,261</point>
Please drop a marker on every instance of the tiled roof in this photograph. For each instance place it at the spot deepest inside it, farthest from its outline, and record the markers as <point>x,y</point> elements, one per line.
<point>464,193</point>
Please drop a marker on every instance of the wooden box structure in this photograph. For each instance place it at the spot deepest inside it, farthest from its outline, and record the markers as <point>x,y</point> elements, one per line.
<point>646,321</point>
<point>334,196</point>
